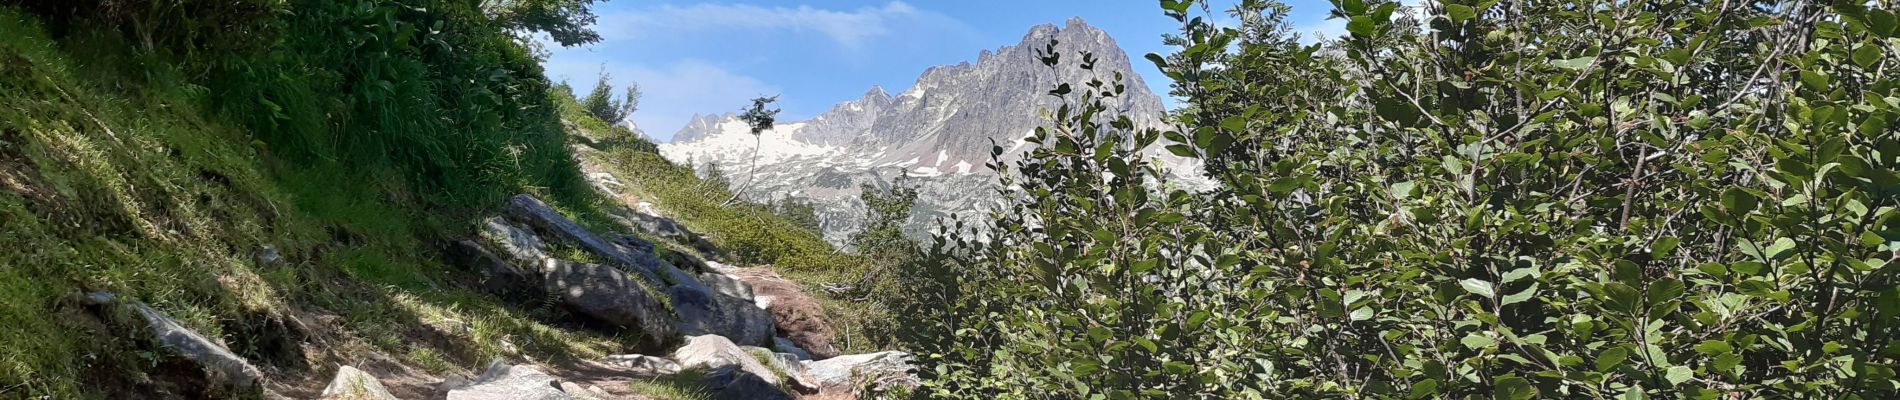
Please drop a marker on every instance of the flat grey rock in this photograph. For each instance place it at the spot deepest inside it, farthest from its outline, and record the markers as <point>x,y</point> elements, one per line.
<point>223,369</point>
<point>705,312</point>
<point>713,351</point>
<point>877,371</point>
<point>531,211</point>
<point>518,246</point>
<point>510,382</point>
<point>727,285</point>
<point>607,295</point>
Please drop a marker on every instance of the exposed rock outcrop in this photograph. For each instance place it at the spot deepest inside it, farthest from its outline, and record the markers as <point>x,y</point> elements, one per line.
<point>940,131</point>
<point>876,372</point>
<point>510,382</point>
<point>713,351</point>
<point>493,274</point>
<point>704,312</point>
<point>733,373</point>
<point>531,211</point>
<point>354,384</point>
<point>607,295</point>
<point>224,372</point>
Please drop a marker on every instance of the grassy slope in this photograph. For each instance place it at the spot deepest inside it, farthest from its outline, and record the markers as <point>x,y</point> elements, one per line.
<point>120,182</point>
<point>118,178</point>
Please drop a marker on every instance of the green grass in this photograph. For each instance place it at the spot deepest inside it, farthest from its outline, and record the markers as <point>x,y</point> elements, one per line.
<point>681,386</point>
<point>120,175</point>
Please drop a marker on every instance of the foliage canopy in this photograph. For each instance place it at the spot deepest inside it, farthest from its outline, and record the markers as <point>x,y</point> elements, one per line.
<point>1505,199</point>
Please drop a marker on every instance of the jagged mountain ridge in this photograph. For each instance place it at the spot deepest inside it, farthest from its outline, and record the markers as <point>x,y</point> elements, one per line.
<point>939,131</point>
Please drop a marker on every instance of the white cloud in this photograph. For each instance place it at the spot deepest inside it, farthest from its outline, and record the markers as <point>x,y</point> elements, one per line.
<point>1321,30</point>
<point>671,93</point>
<point>852,29</point>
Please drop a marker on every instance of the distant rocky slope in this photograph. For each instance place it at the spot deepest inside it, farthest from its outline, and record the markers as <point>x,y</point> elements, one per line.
<point>940,131</point>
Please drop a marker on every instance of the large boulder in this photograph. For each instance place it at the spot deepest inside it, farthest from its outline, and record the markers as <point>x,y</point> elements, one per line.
<point>224,371</point>
<point>607,295</point>
<point>511,382</point>
<point>531,211</point>
<point>713,351</point>
<point>702,311</point>
<point>876,371</point>
<point>727,285</point>
<point>495,275</point>
<point>354,384</point>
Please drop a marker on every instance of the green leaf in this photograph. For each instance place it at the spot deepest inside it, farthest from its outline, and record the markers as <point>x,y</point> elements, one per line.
<point>1739,202</point>
<point>1177,367</point>
<point>1361,25</point>
<point>1622,298</point>
<point>1612,358</point>
<point>1867,55</point>
<point>1478,286</point>
<point>1234,124</point>
<point>1423,389</point>
<point>1779,249</point>
<point>1815,80</point>
<point>1477,341</point>
<point>1881,22</point>
<point>1402,190</point>
<point>1574,63</point>
<point>1520,297</point>
<point>1664,289</point>
<point>1678,374</point>
<point>1459,13</point>
<point>1514,388</point>
<point>1714,347</point>
<point>1713,269</point>
<point>1182,150</point>
<point>1361,314</point>
<point>1521,273</point>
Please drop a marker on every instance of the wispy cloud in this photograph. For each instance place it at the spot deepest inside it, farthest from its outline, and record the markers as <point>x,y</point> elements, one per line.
<point>852,30</point>
<point>672,93</point>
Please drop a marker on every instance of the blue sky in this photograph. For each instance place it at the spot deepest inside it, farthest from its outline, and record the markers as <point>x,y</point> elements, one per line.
<point>711,57</point>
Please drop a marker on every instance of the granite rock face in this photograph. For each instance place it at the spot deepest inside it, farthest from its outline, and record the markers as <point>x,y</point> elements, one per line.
<point>537,215</point>
<point>939,132</point>
<point>608,295</point>
<point>511,382</point>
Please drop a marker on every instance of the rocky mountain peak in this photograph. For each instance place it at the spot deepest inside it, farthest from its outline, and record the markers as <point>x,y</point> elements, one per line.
<point>940,130</point>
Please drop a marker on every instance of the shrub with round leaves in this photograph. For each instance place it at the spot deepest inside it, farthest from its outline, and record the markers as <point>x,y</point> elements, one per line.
<point>1565,199</point>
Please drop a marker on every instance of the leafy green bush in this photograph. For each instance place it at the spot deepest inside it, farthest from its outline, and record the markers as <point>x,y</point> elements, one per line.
<point>1564,199</point>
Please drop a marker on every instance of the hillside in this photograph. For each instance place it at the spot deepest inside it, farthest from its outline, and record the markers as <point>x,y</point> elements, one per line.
<point>939,132</point>
<point>200,204</point>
